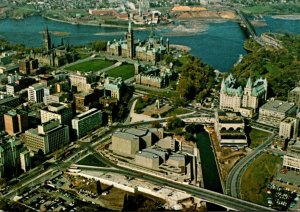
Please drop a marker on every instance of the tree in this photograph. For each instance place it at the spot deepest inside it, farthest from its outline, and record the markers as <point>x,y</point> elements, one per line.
<point>174,122</point>
<point>99,46</point>
<point>155,124</point>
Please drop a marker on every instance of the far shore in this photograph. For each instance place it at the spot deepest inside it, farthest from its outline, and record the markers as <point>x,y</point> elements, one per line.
<point>287,17</point>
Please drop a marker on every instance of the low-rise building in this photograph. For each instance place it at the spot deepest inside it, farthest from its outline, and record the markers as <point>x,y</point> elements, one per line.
<point>125,144</point>
<point>177,160</point>
<point>274,111</point>
<point>147,159</point>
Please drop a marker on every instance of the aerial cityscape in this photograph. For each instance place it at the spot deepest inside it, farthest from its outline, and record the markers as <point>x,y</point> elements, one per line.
<point>162,105</point>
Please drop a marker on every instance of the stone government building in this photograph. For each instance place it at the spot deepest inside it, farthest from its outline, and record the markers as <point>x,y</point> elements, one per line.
<point>149,50</point>
<point>54,56</point>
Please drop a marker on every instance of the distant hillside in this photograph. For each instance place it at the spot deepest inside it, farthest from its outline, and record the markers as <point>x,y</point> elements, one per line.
<point>280,66</point>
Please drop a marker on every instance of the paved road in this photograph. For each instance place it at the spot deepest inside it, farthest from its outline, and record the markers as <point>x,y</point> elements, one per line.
<point>233,182</point>
<point>210,196</point>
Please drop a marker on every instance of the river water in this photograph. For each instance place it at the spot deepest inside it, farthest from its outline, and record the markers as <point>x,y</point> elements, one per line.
<point>209,168</point>
<point>220,45</point>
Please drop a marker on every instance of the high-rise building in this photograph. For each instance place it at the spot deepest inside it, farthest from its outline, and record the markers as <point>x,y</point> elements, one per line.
<point>288,128</point>
<point>10,157</point>
<point>87,121</point>
<point>25,160</point>
<point>36,92</point>
<point>57,111</point>
<point>82,83</point>
<point>11,123</point>
<point>28,66</point>
<point>47,137</point>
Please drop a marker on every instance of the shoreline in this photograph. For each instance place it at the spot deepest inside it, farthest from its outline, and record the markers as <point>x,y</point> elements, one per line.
<point>287,17</point>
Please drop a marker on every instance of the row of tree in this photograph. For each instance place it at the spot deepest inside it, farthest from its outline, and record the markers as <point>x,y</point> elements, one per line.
<point>279,66</point>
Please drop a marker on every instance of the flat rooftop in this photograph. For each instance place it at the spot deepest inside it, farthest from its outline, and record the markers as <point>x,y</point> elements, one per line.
<point>297,89</point>
<point>124,135</point>
<point>277,106</point>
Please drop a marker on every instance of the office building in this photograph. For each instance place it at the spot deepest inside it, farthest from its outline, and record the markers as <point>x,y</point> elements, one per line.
<point>86,122</point>
<point>294,96</point>
<point>25,160</point>
<point>113,87</point>
<point>57,111</point>
<point>125,144</point>
<point>10,157</point>
<point>36,92</point>
<point>47,137</point>
<point>82,82</point>
<point>274,111</point>
<point>288,128</point>
<point>28,66</point>
<point>15,121</point>
<point>292,158</point>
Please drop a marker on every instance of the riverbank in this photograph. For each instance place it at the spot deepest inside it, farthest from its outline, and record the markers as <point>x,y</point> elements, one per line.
<point>225,157</point>
<point>287,17</point>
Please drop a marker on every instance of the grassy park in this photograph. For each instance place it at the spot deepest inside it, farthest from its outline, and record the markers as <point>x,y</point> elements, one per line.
<point>125,71</point>
<point>90,160</point>
<point>257,137</point>
<point>92,65</point>
<point>257,176</point>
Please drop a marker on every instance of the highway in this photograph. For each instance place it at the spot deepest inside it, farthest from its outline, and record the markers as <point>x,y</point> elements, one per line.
<point>38,177</point>
<point>207,195</point>
<point>233,182</point>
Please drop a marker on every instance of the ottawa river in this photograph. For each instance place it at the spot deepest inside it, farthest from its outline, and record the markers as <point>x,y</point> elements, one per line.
<point>220,45</point>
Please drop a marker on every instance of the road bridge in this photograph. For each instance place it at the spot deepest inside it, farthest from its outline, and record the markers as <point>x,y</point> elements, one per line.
<point>263,40</point>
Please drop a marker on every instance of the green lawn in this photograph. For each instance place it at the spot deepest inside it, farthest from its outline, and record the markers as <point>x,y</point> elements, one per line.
<point>125,71</point>
<point>175,111</point>
<point>257,137</point>
<point>162,93</point>
<point>257,176</point>
<point>92,65</point>
<point>90,160</point>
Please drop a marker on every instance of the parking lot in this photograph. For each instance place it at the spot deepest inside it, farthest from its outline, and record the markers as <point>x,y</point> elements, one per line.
<point>280,198</point>
<point>52,196</point>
